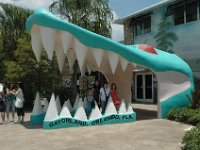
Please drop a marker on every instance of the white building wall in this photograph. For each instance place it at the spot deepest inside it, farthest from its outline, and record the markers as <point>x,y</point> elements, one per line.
<point>188,45</point>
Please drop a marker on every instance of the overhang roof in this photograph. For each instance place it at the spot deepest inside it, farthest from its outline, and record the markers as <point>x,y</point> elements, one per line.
<point>144,10</point>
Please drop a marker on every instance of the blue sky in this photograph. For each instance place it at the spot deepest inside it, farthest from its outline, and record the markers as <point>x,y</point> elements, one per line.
<point>126,7</point>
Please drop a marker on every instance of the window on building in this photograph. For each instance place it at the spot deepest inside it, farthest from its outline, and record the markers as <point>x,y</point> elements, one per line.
<point>191,10</point>
<point>179,14</point>
<point>183,11</point>
<point>199,8</point>
<point>142,24</point>
<point>147,24</point>
<point>138,27</point>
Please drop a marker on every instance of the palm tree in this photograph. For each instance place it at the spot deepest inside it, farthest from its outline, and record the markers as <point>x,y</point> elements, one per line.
<point>164,38</point>
<point>12,25</point>
<point>93,15</point>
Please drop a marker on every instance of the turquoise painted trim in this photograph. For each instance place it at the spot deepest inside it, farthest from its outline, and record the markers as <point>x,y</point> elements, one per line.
<point>161,62</point>
<point>37,119</point>
<point>177,101</point>
<point>64,122</point>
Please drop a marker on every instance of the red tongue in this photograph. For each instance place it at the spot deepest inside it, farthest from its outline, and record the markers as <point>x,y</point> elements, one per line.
<point>148,48</point>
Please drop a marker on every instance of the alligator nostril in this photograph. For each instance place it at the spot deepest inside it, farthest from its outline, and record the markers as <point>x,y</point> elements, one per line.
<point>148,48</point>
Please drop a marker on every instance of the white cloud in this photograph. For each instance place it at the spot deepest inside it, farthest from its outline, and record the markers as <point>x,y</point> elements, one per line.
<point>31,4</point>
<point>117,30</point>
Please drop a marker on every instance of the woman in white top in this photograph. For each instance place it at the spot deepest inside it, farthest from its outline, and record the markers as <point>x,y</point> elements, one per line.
<point>20,111</point>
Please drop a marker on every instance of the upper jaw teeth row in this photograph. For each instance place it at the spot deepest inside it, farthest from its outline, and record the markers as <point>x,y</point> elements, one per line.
<point>64,44</point>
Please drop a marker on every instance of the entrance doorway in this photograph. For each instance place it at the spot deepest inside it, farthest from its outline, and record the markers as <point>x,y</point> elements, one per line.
<point>145,95</point>
<point>144,87</point>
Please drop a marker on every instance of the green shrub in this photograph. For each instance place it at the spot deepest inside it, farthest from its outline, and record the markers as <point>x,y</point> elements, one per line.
<point>185,115</point>
<point>198,126</point>
<point>191,140</point>
<point>194,119</point>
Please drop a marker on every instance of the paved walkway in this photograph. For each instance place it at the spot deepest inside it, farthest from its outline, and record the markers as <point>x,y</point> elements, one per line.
<point>152,134</point>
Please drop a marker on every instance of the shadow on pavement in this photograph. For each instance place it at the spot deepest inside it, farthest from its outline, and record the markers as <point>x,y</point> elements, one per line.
<point>28,125</point>
<point>143,114</point>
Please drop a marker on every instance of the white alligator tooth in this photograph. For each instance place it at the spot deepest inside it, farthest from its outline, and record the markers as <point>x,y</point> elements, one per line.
<point>80,112</point>
<point>46,104</point>
<point>65,111</point>
<point>122,107</point>
<point>124,63</point>
<point>48,39</point>
<point>71,56</point>
<point>129,109</point>
<point>60,57</point>
<point>81,53</point>
<point>36,44</point>
<point>58,104</point>
<point>37,108</point>
<point>95,113</point>
<point>52,111</point>
<point>76,103</point>
<point>66,39</point>
<point>83,70</point>
<point>110,108</point>
<point>113,60</point>
<point>98,55</point>
<point>89,69</point>
<point>69,105</point>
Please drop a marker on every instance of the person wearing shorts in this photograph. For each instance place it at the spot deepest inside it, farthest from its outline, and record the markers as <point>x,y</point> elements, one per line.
<point>20,111</point>
<point>2,106</point>
<point>10,105</point>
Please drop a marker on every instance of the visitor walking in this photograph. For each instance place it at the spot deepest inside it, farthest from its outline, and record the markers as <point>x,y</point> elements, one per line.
<point>104,96</point>
<point>10,104</point>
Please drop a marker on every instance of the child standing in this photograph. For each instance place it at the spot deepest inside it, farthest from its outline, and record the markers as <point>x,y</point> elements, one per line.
<point>90,104</point>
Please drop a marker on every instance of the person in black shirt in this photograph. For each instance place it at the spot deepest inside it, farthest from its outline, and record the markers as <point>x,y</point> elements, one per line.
<point>96,92</point>
<point>2,103</point>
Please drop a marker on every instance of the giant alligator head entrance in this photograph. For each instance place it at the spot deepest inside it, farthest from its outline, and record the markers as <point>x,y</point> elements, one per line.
<point>116,61</point>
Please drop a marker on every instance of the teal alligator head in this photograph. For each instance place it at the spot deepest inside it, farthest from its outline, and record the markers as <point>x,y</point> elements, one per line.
<point>115,60</point>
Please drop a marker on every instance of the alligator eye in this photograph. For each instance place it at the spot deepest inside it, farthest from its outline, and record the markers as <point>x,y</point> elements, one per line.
<point>148,48</point>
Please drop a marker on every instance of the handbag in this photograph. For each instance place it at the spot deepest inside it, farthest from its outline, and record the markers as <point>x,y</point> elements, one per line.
<point>19,103</point>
